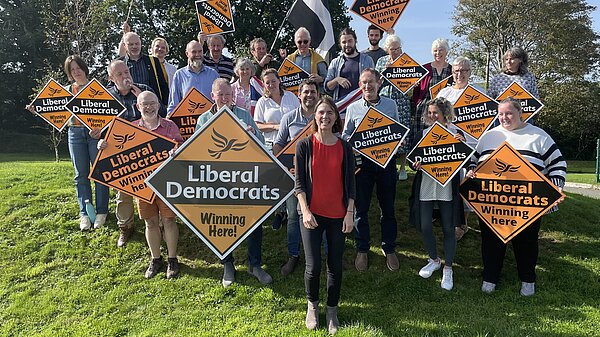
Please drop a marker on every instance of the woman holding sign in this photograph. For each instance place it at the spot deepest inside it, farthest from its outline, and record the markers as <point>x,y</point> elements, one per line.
<point>427,193</point>
<point>393,46</point>
<point>535,145</point>
<point>514,70</point>
<point>326,191</point>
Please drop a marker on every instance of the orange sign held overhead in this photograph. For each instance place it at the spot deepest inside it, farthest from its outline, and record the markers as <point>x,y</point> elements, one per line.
<point>222,183</point>
<point>50,103</point>
<point>440,154</point>
<point>530,105</point>
<point>509,193</point>
<point>291,75</point>
<point>382,13</point>
<point>286,155</point>
<point>435,89</point>
<point>377,137</point>
<point>215,16</point>
<point>404,73</point>
<point>132,154</point>
<point>475,111</point>
<point>94,106</point>
<point>186,113</point>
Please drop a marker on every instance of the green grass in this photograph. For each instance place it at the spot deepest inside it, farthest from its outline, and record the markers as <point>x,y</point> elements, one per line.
<point>58,281</point>
<point>582,172</point>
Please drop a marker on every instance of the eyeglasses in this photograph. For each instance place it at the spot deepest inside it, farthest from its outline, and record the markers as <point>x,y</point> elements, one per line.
<point>148,105</point>
<point>458,71</point>
<point>302,42</point>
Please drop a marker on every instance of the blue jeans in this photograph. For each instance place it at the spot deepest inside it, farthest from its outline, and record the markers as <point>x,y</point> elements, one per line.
<point>293,226</point>
<point>370,175</point>
<point>83,151</point>
<point>254,242</point>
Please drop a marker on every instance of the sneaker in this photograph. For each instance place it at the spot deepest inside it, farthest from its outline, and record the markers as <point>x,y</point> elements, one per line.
<point>402,175</point>
<point>100,220</point>
<point>262,276</point>
<point>85,223</point>
<point>279,216</point>
<point>447,282</point>
<point>228,274</point>
<point>429,268</point>
<point>172,267</point>
<point>391,261</point>
<point>154,267</point>
<point>361,262</point>
<point>527,289</point>
<point>124,236</point>
<point>289,266</point>
<point>488,287</point>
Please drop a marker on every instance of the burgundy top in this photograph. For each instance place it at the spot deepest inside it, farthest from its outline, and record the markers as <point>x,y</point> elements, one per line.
<point>327,185</point>
<point>166,128</point>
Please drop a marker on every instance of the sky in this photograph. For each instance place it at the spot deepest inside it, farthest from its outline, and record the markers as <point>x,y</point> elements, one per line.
<point>417,28</point>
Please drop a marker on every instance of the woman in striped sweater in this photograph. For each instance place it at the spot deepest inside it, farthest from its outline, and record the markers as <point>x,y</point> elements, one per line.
<point>535,145</point>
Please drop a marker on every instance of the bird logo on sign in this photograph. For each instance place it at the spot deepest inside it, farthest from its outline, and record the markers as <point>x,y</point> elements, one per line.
<point>288,69</point>
<point>209,26</point>
<point>437,138</point>
<point>515,93</point>
<point>470,98</point>
<point>504,167</point>
<point>223,145</point>
<point>195,106</point>
<point>93,92</point>
<point>122,139</point>
<point>373,121</point>
<point>53,91</point>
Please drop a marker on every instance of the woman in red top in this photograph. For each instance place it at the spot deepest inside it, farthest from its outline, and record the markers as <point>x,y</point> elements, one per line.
<point>326,191</point>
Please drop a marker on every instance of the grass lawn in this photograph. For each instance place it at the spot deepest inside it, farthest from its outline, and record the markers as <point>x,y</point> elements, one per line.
<point>58,281</point>
<point>582,172</point>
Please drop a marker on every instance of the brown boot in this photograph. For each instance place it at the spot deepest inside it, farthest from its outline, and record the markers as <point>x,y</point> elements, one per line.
<point>331,320</point>
<point>312,315</point>
<point>124,235</point>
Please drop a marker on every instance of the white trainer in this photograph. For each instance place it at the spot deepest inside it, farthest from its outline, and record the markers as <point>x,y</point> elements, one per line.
<point>429,268</point>
<point>447,282</point>
<point>488,287</point>
<point>85,223</point>
<point>100,220</point>
<point>527,289</point>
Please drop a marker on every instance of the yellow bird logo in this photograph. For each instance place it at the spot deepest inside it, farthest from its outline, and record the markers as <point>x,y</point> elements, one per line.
<point>195,106</point>
<point>504,167</point>
<point>223,145</point>
<point>373,121</point>
<point>93,93</point>
<point>437,138</point>
<point>122,139</point>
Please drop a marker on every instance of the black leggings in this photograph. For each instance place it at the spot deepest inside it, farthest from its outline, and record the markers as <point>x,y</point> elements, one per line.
<point>311,239</point>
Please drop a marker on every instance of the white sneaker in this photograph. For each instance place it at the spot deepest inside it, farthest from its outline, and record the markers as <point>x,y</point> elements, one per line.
<point>488,287</point>
<point>429,268</point>
<point>447,282</point>
<point>402,175</point>
<point>527,289</point>
<point>100,220</point>
<point>85,223</point>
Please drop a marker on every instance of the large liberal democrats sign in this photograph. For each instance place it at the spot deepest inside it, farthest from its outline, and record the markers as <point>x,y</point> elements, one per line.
<point>222,183</point>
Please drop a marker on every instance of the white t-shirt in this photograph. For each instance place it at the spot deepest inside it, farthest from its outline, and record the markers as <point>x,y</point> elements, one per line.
<point>268,111</point>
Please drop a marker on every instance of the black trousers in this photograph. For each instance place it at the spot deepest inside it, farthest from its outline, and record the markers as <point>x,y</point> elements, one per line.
<point>311,239</point>
<point>525,247</point>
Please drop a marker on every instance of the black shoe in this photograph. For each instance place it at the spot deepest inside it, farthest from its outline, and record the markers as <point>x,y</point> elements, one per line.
<point>289,266</point>
<point>154,267</point>
<point>172,267</point>
<point>279,216</point>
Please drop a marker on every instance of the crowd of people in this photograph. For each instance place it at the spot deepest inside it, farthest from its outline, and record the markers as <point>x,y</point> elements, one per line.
<point>330,198</point>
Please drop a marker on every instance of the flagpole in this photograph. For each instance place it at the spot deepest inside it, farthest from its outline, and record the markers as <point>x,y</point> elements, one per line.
<point>287,15</point>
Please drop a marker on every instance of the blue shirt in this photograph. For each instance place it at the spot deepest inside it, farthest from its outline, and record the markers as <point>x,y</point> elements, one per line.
<point>240,113</point>
<point>357,111</point>
<point>290,126</point>
<point>184,79</point>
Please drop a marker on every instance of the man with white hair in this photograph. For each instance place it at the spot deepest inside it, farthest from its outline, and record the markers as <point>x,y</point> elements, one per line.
<point>214,57</point>
<point>306,58</point>
<point>194,75</point>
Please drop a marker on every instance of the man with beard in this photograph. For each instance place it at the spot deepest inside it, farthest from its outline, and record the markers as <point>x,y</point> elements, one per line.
<point>344,70</point>
<point>290,126</point>
<point>371,174</point>
<point>144,69</point>
<point>222,95</point>
<point>375,35</point>
<point>195,75</point>
<point>127,92</point>
<point>261,59</point>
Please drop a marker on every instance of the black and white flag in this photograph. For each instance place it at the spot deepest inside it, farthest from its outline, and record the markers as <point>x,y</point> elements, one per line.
<point>314,15</point>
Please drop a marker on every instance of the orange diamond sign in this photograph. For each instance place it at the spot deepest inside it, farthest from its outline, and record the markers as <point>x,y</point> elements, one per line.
<point>286,155</point>
<point>382,13</point>
<point>530,105</point>
<point>436,88</point>
<point>291,75</point>
<point>440,154</point>
<point>404,73</point>
<point>377,137</point>
<point>222,183</point>
<point>50,103</point>
<point>509,193</point>
<point>94,106</point>
<point>475,111</point>
<point>186,113</point>
<point>215,16</point>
